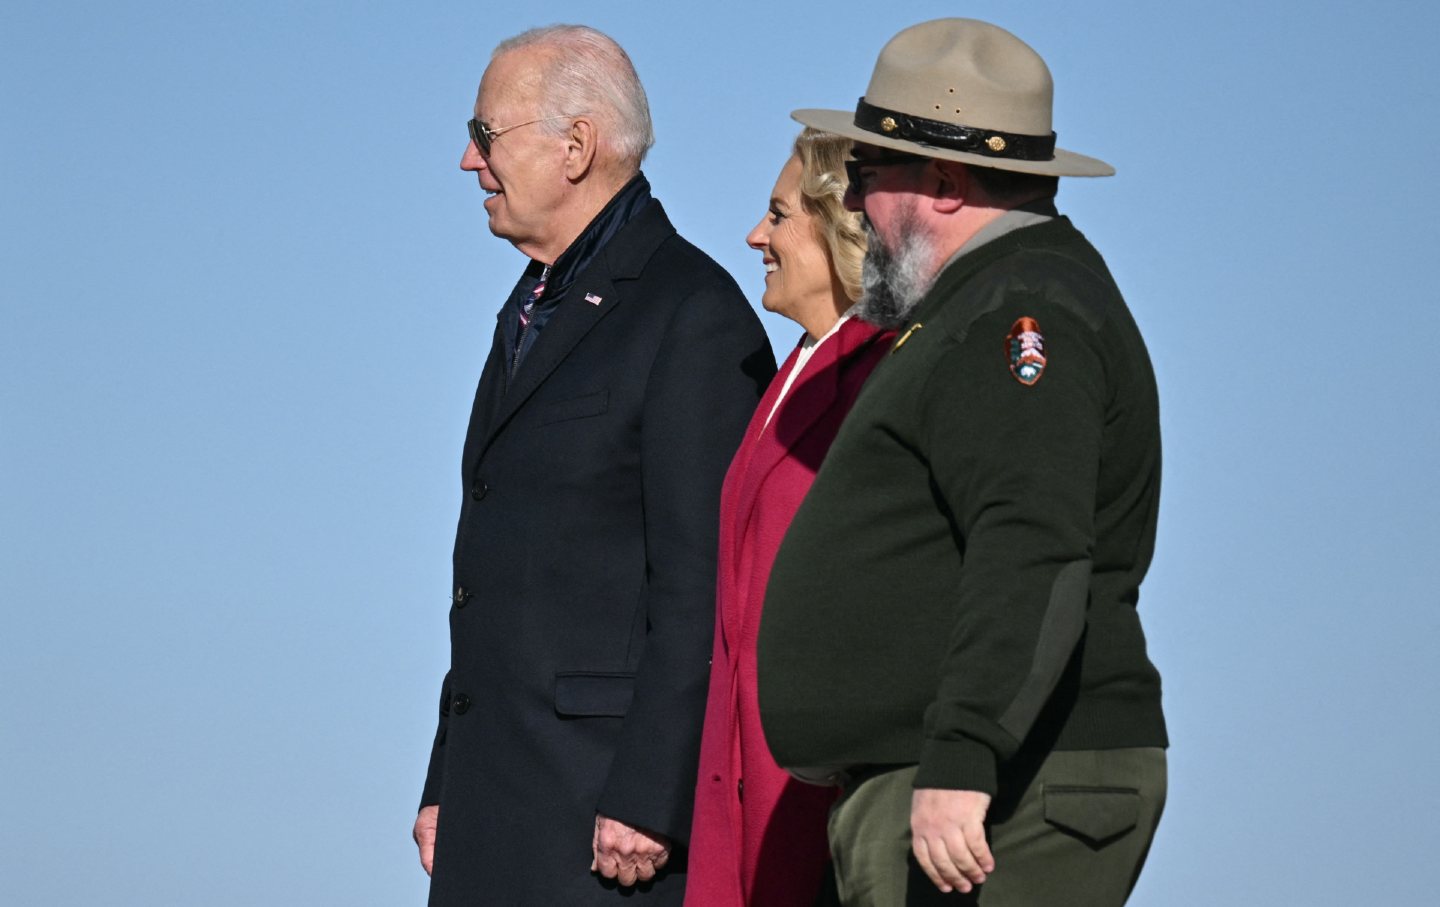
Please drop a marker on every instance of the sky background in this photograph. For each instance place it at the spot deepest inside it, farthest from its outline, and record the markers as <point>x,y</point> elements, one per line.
<point>245,294</point>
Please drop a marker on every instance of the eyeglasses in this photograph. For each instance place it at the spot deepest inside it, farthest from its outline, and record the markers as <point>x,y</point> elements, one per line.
<point>855,165</point>
<point>482,135</point>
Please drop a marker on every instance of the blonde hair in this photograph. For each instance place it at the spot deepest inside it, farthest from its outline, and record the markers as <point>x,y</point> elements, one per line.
<point>822,194</point>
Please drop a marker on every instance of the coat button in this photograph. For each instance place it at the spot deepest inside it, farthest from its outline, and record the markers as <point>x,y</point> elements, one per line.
<point>478,490</point>
<point>462,595</point>
<point>460,704</point>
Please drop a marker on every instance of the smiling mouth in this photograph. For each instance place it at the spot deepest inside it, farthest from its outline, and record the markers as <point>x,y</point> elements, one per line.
<point>771,267</point>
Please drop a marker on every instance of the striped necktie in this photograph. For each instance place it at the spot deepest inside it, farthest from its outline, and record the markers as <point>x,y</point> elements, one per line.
<point>527,314</point>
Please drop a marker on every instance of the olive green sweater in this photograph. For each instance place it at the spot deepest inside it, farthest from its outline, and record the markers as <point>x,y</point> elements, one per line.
<point>962,578</point>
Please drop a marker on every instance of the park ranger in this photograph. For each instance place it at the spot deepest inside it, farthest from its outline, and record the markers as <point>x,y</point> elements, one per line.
<point>950,631</point>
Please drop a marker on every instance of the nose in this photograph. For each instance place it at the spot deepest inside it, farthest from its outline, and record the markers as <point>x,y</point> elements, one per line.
<point>759,238</point>
<point>471,159</point>
<point>854,199</point>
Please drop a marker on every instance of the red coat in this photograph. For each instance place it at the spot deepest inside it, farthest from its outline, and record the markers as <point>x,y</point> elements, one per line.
<point>764,843</point>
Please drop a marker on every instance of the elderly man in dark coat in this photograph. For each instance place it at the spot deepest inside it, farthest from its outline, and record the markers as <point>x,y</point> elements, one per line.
<point>624,367</point>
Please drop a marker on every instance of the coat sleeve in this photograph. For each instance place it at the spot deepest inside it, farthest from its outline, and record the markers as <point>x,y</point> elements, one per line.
<point>1017,468</point>
<point>714,362</point>
<point>430,794</point>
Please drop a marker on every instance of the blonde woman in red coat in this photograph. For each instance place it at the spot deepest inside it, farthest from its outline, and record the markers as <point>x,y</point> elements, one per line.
<point>759,835</point>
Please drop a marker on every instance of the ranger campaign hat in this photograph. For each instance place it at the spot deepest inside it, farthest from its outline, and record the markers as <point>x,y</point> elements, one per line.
<point>960,90</point>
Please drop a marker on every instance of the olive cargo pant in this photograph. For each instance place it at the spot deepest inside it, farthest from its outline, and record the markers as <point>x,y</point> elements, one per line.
<point>1072,831</point>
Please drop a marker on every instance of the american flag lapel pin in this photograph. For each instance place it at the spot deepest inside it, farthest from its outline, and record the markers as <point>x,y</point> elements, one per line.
<point>592,299</point>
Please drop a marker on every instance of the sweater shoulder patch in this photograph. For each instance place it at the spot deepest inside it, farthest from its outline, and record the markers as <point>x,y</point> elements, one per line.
<point>1025,349</point>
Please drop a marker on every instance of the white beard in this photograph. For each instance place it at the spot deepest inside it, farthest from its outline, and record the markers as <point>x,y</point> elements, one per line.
<point>892,283</point>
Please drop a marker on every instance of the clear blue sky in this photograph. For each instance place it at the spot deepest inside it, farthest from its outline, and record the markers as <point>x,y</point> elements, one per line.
<point>244,298</point>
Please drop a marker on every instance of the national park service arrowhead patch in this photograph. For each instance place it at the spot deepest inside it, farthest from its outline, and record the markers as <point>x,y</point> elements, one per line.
<point>1025,348</point>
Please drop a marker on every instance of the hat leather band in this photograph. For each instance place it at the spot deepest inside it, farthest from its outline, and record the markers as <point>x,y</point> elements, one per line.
<point>893,124</point>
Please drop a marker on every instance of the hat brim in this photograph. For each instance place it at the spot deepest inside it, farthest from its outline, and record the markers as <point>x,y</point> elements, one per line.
<point>842,123</point>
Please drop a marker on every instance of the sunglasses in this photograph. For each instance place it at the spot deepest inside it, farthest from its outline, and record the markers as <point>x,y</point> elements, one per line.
<point>855,165</point>
<point>483,136</point>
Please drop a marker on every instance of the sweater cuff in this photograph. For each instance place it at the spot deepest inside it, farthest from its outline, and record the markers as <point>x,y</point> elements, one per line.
<point>956,765</point>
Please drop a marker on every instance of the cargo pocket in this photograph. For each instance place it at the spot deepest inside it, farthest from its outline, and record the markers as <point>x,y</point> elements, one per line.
<point>593,694</point>
<point>1096,815</point>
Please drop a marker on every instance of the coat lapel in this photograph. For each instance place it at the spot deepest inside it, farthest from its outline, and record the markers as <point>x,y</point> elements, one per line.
<point>812,396</point>
<point>740,487</point>
<point>573,319</point>
<point>488,394</point>
<point>622,259</point>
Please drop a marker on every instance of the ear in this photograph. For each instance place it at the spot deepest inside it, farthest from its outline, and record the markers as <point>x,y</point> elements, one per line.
<point>953,186</point>
<point>580,147</point>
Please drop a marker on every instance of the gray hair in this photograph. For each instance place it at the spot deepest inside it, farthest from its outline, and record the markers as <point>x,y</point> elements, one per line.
<point>588,73</point>
<point>893,281</point>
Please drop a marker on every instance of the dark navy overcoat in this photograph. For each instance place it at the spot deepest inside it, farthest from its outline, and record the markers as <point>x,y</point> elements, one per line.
<point>584,575</point>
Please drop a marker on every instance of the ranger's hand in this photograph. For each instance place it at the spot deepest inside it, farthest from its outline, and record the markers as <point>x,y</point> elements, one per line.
<point>947,830</point>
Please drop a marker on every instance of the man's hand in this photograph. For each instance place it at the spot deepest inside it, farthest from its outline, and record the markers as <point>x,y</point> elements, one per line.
<point>947,830</point>
<point>424,835</point>
<point>627,854</point>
